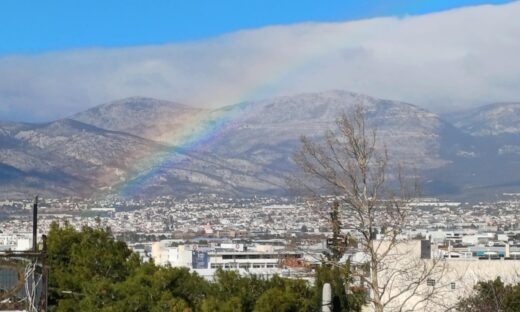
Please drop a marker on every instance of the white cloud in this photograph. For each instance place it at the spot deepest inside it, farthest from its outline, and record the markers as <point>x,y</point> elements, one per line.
<point>441,61</point>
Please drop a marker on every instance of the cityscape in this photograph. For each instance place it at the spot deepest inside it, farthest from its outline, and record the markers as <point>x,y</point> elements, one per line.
<point>260,156</point>
<point>289,237</point>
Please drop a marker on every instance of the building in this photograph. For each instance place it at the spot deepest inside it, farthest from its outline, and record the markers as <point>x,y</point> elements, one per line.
<point>262,259</point>
<point>437,282</point>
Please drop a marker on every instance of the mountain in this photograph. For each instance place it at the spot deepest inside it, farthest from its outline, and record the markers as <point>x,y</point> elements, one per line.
<point>65,157</point>
<point>247,148</point>
<point>147,147</point>
<point>145,117</point>
<point>488,120</point>
<point>278,124</point>
<point>492,163</point>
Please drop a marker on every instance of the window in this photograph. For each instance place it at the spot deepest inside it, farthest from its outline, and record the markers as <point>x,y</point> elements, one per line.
<point>430,282</point>
<point>452,285</point>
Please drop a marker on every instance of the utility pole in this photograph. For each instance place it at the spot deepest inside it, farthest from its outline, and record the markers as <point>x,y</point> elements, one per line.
<point>35,224</point>
<point>30,290</point>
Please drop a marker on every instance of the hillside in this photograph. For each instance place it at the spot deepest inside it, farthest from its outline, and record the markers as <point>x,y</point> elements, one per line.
<point>147,147</point>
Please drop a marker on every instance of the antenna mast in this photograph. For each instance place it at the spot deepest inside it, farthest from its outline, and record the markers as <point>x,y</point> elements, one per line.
<point>35,224</point>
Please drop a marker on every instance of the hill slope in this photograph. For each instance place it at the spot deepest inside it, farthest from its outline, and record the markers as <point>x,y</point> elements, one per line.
<point>145,117</point>
<point>492,119</point>
<point>66,157</point>
<point>150,147</point>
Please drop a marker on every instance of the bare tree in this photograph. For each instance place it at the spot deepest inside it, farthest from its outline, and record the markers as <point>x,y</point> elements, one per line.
<point>373,192</point>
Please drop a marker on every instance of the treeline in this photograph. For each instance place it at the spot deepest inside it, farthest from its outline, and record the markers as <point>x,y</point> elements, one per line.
<point>492,296</point>
<point>90,271</point>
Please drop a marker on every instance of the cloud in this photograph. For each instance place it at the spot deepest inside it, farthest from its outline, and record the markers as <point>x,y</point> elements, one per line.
<point>442,61</point>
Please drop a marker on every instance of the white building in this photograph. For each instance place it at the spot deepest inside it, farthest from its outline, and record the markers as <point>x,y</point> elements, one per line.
<point>448,281</point>
<point>264,260</point>
<point>16,242</point>
<point>167,252</point>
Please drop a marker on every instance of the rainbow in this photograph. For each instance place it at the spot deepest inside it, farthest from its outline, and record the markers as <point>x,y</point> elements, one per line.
<point>194,134</point>
<point>191,137</point>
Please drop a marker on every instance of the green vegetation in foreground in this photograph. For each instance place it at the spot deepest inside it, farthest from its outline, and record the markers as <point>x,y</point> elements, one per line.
<point>492,296</point>
<point>90,271</point>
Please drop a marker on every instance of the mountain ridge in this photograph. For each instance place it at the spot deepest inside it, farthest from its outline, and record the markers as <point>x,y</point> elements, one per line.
<point>489,120</point>
<point>243,149</point>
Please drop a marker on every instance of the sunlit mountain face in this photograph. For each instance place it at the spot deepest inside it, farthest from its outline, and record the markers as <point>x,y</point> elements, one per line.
<point>146,147</point>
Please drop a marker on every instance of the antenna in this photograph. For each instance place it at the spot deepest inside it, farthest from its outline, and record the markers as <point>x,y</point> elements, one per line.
<point>35,224</point>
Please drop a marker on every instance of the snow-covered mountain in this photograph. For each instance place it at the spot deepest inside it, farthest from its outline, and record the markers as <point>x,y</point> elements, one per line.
<point>150,147</point>
<point>247,147</point>
<point>278,124</point>
<point>488,120</point>
<point>145,117</point>
<point>66,157</point>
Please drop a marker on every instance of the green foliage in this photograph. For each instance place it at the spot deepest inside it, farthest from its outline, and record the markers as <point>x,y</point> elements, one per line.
<point>247,289</point>
<point>492,296</point>
<point>212,304</point>
<point>338,276</point>
<point>180,283</point>
<point>275,299</point>
<point>286,296</point>
<point>90,271</point>
<point>170,304</point>
<point>252,293</point>
<point>84,266</point>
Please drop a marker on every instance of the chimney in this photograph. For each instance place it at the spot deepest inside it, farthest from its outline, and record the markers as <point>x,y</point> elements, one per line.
<point>426,249</point>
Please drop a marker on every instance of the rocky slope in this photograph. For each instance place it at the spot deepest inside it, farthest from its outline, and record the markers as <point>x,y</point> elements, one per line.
<point>491,164</point>
<point>488,120</point>
<point>147,147</point>
<point>66,157</point>
<point>247,148</point>
<point>145,117</point>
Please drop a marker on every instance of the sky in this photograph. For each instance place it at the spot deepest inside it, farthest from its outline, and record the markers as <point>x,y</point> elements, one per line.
<point>51,25</point>
<point>61,57</point>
